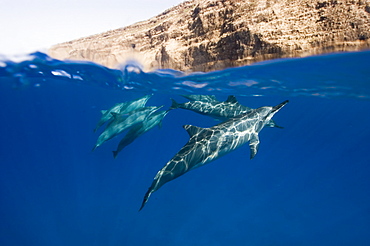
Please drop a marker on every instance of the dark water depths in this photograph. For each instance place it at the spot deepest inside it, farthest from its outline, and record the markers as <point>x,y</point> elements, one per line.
<point>308,184</point>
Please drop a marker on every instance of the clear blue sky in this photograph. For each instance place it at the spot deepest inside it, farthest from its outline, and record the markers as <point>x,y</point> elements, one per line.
<point>27,26</point>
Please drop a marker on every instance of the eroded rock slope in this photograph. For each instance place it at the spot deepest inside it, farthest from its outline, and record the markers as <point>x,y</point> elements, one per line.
<point>212,34</point>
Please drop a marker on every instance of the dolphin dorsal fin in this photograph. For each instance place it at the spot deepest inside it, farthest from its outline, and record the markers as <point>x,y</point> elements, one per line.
<point>192,130</point>
<point>231,99</point>
<point>117,116</point>
<point>114,114</point>
<point>103,111</point>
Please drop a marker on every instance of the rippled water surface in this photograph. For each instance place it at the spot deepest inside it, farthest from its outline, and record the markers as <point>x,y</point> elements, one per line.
<point>308,184</point>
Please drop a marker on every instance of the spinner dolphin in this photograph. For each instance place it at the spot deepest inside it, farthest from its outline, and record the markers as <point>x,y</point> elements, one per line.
<point>210,106</point>
<point>208,144</point>
<point>121,122</point>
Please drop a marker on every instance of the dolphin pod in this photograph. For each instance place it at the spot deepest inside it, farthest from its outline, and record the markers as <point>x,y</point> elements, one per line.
<point>123,116</point>
<point>122,122</point>
<point>122,108</point>
<point>208,144</point>
<point>241,125</point>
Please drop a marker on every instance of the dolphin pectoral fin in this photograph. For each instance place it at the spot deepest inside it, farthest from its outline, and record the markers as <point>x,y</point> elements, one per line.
<point>192,130</point>
<point>98,125</point>
<point>277,126</point>
<point>272,123</point>
<point>103,111</point>
<point>253,145</point>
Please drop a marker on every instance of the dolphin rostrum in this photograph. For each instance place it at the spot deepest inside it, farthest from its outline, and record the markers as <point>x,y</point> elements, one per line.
<point>208,144</point>
<point>139,129</point>
<point>121,122</point>
<point>122,108</point>
<point>210,106</point>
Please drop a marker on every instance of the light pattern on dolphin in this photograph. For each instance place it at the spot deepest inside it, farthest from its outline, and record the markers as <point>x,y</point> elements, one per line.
<point>139,129</point>
<point>204,98</point>
<point>210,106</point>
<point>122,108</point>
<point>121,122</point>
<point>208,144</point>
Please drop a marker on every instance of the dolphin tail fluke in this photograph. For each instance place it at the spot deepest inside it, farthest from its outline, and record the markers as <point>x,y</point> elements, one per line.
<point>155,186</point>
<point>115,153</point>
<point>174,105</point>
<point>146,197</point>
<point>97,127</point>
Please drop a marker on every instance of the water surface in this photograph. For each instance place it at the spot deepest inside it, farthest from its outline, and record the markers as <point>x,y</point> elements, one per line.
<point>308,184</point>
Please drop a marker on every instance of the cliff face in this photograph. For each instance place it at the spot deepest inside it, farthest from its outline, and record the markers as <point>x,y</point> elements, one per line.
<point>203,35</point>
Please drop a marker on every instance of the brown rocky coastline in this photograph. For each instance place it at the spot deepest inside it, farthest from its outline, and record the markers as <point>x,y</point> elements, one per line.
<point>212,34</point>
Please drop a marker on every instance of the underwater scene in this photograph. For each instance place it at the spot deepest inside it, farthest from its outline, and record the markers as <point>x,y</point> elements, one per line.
<point>274,153</point>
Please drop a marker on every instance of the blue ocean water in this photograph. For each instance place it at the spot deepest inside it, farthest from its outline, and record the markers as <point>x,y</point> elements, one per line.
<point>308,184</point>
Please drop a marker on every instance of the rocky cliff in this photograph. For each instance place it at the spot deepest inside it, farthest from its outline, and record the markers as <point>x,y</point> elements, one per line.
<point>203,35</point>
